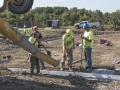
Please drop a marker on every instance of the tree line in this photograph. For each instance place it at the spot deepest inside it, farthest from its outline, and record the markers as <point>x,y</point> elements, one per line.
<point>68,17</point>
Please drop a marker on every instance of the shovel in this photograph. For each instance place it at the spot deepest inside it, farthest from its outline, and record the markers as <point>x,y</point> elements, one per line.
<point>48,52</point>
<point>81,66</point>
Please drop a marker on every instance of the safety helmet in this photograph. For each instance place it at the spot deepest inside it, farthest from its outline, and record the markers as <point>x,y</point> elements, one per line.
<point>68,31</point>
<point>85,25</point>
<point>35,27</point>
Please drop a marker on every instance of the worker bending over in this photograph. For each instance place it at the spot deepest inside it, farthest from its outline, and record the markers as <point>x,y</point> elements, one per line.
<point>68,45</point>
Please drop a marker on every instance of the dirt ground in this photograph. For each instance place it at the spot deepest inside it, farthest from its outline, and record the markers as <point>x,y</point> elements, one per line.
<point>103,56</point>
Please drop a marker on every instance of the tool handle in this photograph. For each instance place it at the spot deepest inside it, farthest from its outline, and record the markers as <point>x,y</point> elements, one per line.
<point>81,53</point>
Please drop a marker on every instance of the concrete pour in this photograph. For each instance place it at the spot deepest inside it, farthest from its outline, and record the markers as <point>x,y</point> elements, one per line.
<point>104,71</point>
<point>90,76</point>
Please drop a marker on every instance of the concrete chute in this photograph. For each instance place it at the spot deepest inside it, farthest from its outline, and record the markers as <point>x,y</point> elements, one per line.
<point>14,35</point>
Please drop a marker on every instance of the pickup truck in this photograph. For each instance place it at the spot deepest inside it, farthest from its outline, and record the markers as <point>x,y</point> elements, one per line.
<point>91,24</point>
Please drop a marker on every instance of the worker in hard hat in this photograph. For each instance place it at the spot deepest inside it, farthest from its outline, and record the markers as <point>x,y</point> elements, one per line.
<point>68,45</point>
<point>26,32</point>
<point>33,59</point>
<point>35,28</point>
<point>88,41</point>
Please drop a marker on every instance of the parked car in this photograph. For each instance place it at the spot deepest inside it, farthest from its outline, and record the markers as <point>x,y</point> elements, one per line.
<point>91,24</point>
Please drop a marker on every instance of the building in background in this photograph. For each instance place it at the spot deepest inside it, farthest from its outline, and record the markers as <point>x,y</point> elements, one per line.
<point>29,24</point>
<point>53,24</point>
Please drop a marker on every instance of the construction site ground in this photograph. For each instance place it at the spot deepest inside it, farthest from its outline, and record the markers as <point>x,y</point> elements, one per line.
<point>103,56</point>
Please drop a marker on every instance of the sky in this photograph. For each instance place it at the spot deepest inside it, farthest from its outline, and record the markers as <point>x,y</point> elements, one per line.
<point>102,5</point>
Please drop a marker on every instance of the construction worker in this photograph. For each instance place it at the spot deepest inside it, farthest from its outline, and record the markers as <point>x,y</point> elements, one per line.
<point>26,32</point>
<point>68,45</point>
<point>34,60</point>
<point>35,28</point>
<point>88,41</point>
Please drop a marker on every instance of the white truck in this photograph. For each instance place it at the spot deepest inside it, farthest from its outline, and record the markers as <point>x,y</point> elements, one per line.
<point>91,24</point>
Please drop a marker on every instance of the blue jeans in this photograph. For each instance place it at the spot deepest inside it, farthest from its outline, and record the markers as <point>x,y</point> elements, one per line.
<point>88,58</point>
<point>42,63</point>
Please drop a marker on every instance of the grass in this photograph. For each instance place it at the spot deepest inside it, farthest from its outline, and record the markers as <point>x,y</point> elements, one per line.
<point>58,30</point>
<point>108,25</point>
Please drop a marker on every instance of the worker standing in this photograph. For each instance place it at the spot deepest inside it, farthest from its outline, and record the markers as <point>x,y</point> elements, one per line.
<point>34,60</point>
<point>68,45</point>
<point>35,28</point>
<point>88,41</point>
<point>26,32</point>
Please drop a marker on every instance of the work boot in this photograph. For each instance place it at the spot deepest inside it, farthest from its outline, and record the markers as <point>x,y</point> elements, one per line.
<point>32,73</point>
<point>43,67</point>
<point>70,69</point>
<point>39,73</point>
<point>61,66</point>
<point>61,69</point>
<point>86,67</point>
<point>89,70</point>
